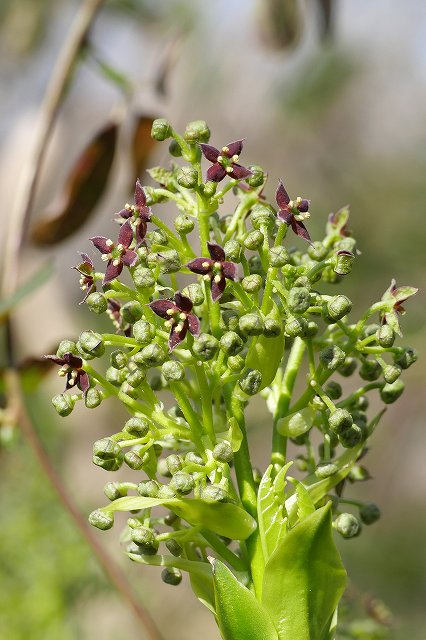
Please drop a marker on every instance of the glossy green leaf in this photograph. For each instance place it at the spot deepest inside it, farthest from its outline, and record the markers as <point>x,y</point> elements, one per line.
<point>235,435</point>
<point>265,353</point>
<point>305,504</point>
<point>224,518</point>
<point>304,579</point>
<point>271,511</point>
<point>239,615</point>
<point>296,424</point>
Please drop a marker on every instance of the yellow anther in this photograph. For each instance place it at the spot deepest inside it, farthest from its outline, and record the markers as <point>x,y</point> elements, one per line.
<point>170,312</point>
<point>128,206</point>
<point>217,279</point>
<point>105,256</point>
<point>225,150</point>
<point>298,200</point>
<point>291,204</point>
<point>229,169</point>
<point>205,265</point>
<point>219,158</point>
<point>116,262</point>
<point>62,372</point>
<point>235,158</point>
<point>168,323</point>
<point>120,247</point>
<point>206,277</point>
<point>83,287</point>
<point>109,243</point>
<point>182,316</point>
<point>218,265</point>
<point>178,327</point>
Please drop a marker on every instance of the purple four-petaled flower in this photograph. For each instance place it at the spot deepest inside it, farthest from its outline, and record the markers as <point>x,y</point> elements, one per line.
<point>71,367</point>
<point>139,212</point>
<point>293,212</point>
<point>86,271</point>
<point>225,162</point>
<point>179,317</point>
<point>116,255</point>
<point>216,269</point>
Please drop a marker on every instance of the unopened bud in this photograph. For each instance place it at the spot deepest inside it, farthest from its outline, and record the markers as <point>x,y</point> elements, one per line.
<point>340,420</point>
<point>337,308</point>
<point>391,373</point>
<point>152,355</point>
<point>92,343</point>
<point>311,329</point>
<point>325,470</point>
<point>272,327</point>
<point>252,283</point>
<point>205,346</point>
<point>351,437</point>
<point>63,404</point>
<point>143,331</point>
<point>369,513</point>
<point>148,489</point>
<point>250,381</point>
<point>262,215</point>
<point>195,293</point>
<point>251,324</point>
<point>184,224</point>
<point>385,336</point>
<point>174,463</point>
<point>197,131</point>
<point>233,250</point>
<point>295,326</point>
<point>210,189</point>
<point>235,363</point>
<point>333,389</point>
<point>231,343</point>
<point>253,240</point>
<point>182,482</point>
<point>343,262</point>
<point>317,251</point>
<point>143,277</point>
<point>134,459</point>
<point>131,311</point>
<point>115,376</point>
<point>187,177</point>
<point>223,452</point>
<point>146,539</point>
<point>348,367</point>
<point>137,427</point>
<point>101,519</point>
<point>114,490</point>
<point>214,493</point>
<point>370,370</point>
<point>161,129</point>
<point>97,303</point>
<point>173,371</point>
<point>169,261</point>
<point>278,256</point>
<point>298,300</point>
<point>66,346</point>
<point>347,525</point>
<point>257,177</point>
<point>171,576</point>
<point>389,393</point>
<point>332,357</point>
<point>175,148</point>
<point>407,358</point>
<point>107,454</point>
<point>92,399</point>
<point>174,547</point>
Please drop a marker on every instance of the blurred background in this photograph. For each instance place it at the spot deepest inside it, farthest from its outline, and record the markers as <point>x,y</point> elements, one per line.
<point>331,97</point>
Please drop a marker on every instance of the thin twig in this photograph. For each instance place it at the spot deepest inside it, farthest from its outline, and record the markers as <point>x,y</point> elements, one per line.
<point>55,94</point>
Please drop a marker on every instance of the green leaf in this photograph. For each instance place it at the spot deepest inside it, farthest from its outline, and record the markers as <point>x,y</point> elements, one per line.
<point>202,586</point>
<point>265,353</point>
<point>304,579</point>
<point>271,510</point>
<point>37,280</point>
<point>224,518</point>
<point>235,435</point>
<point>239,615</point>
<point>305,504</point>
<point>296,424</point>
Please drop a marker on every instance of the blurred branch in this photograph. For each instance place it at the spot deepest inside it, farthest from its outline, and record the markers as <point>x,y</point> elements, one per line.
<point>16,233</point>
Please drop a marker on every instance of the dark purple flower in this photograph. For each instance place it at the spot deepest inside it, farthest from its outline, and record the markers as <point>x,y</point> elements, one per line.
<point>224,162</point>
<point>395,297</point>
<point>178,316</point>
<point>116,255</point>
<point>216,269</point>
<point>113,311</point>
<point>139,213</point>
<point>71,367</point>
<point>86,271</point>
<point>293,212</point>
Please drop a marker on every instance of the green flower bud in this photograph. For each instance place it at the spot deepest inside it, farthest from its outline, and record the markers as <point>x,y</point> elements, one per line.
<point>148,489</point>
<point>311,329</point>
<point>351,437</point>
<point>161,129</point>
<point>370,370</point>
<point>233,250</point>
<point>235,363</point>
<point>205,346</point>
<point>362,403</point>
<point>146,539</point>
<point>369,513</point>
<point>131,311</point>
<point>184,224</point>
<point>63,404</point>
<point>101,519</point>
<point>142,253</point>
<point>343,262</point>
<point>134,460</point>
<point>251,324</point>
<point>298,300</point>
<point>173,370</point>
<point>115,376</point>
<point>303,281</point>
<point>197,131</point>
<point>158,236</point>
<point>332,357</point>
<point>135,378</point>
<point>171,518</point>
<point>255,265</point>
<point>253,240</point>
<point>317,251</point>
<point>182,482</point>
<point>97,303</point>
<point>330,276</point>
<point>317,404</point>
<point>169,261</point>
<point>346,244</point>
<point>231,343</point>
<point>333,389</point>
<point>340,421</point>
<point>257,178</point>
<point>193,458</point>
<point>295,326</point>
<point>347,525</point>
<point>166,493</point>
<point>92,399</point>
<point>250,381</point>
<point>278,256</point>
<point>223,452</point>
<point>389,393</point>
<point>336,308</point>
<point>118,359</point>
<point>175,148</point>
<point>214,493</point>
<point>152,355</point>
<point>391,373</point>
<point>358,473</point>
<point>92,343</point>
<point>107,454</point>
<point>348,367</point>
<point>210,189</point>
<point>195,293</point>
<point>325,470</point>
<point>174,463</point>
<point>137,427</point>
<point>262,215</point>
<point>171,576</point>
<point>143,277</point>
<point>143,331</point>
<point>385,336</point>
<point>114,490</point>
<point>230,318</point>
<point>272,327</point>
<point>407,358</point>
<point>252,283</point>
<point>187,177</point>
<point>174,547</point>
<point>66,346</point>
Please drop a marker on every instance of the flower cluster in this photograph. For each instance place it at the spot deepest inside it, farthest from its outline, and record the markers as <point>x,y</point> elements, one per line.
<point>213,318</point>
